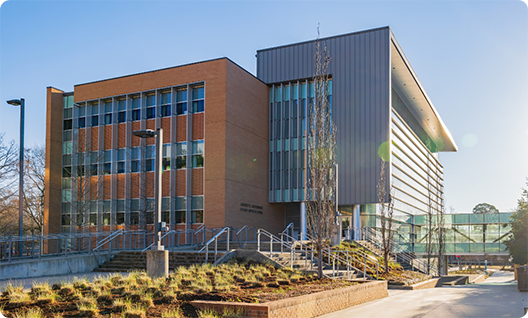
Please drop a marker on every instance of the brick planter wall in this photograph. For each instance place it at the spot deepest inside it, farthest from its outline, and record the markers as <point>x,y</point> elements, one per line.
<point>312,305</point>
<point>431,283</point>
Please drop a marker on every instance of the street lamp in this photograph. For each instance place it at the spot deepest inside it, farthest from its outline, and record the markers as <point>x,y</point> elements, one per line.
<point>20,102</point>
<point>157,257</point>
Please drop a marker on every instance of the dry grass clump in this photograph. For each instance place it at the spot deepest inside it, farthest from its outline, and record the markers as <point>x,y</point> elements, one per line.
<point>10,288</point>
<point>135,311</point>
<point>173,313</point>
<point>31,313</point>
<point>88,309</point>
<point>40,288</point>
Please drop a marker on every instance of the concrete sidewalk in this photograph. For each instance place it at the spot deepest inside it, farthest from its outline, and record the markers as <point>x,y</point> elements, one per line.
<point>496,297</point>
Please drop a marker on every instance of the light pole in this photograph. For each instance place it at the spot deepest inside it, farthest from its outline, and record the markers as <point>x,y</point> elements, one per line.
<point>157,257</point>
<point>20,102</point>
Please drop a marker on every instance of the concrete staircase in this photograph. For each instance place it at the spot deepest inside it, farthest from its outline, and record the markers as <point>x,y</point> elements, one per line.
<point>131,261</point>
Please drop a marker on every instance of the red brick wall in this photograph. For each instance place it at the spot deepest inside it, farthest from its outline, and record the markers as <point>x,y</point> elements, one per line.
<point>82,137</point>
<point>180,182</point>
<point>108,137</point>
<point>135,140</point>
<point>121,186</point>
<point>166,126</point>
<point>151,124</point>
<point>107,187</point>
<point>181,128</point>
<point>165,184</point>
<point>134,185</point>
<point>95,139</point>
<point>121,135</point>
<point>198,126</point>
<point>197,182</point>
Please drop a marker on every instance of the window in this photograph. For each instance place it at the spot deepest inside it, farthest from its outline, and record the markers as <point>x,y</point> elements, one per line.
<point>120,212</point>
<point>93,219</point>
<point>108,113</point>
<point>181,102</point>
<point>134,159</point>
<point>136,108</point>
<point>181,155</point>
<point>179,217</point>
<point>121,108</point>
<point>151,106</point>
<point>67,124</point>
<point>150,154</point>
<point>134,218</point>
<point>95,117</point>
<point>66,135</point>
<point>107,159</point>
<point>66,172</point>
<point>197,216</point>
<point>166,157</point>
<point>82,118</point>
<point>66,160</point>
<point>67,148</point>
<point>165,104</point>
<point>198,100</point>
<point>121,160</point>
<point>198,150</point>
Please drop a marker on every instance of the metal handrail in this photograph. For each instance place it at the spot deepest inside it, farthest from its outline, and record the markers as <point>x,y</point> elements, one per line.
<point>402,252</point>
<point>330,254</point>
<point>109,238</point>
<point>161,238</point>
<point>215,239</point>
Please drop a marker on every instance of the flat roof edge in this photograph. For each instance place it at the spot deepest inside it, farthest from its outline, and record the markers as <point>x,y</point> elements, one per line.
<point>323,39</point>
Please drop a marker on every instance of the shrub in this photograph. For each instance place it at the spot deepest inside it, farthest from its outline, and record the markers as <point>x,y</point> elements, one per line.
<point>31,313</point>
<point>88,310</point>
<point>135,312</point>
<point>173,313</point>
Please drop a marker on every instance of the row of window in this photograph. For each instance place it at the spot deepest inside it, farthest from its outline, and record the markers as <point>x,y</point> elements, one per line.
<point>179,217</point>
<point>93,114</point>
<point>141,159</point>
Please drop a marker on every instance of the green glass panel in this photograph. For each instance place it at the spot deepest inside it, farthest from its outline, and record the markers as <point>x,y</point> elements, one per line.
<point>502,248</point>
<point>476,218</point>
<point>477,237</point>
<point>461,218</point>
<point>448,219</point>
<point>462,248</point>
<point>492,247</point>
<point>505,217</point>
<point>419,248</point>
<point>505,228</point>
<point>420,219</point>
<point>476,248</point>
<point>492,218</point>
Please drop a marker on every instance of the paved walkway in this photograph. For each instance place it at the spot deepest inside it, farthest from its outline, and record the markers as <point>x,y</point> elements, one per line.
<point>496,297</point>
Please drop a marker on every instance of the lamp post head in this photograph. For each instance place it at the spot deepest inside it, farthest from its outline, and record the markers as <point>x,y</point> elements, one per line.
<point>14,102</point>
<point>144,133</point>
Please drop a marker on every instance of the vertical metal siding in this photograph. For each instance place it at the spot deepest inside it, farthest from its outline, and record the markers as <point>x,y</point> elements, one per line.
<point>360,68</point>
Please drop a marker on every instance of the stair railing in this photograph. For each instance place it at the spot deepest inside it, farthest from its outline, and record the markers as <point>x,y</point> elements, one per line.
<point>161,238</point>
<point>245,227</point>
<point>108,239</point>
<point>215,240</point>
<point>373,237</point>
<point>202,229</point>
<point>344,257</point>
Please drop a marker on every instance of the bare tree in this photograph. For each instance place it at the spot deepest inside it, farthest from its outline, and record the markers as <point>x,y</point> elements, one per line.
<point>440,223</point>
<point>34,173</point>
<point>8,201</point>
<point>320,187</point>
<point>386,212</point>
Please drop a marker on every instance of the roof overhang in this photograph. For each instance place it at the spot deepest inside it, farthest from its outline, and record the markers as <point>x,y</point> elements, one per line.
<point>407,85</point>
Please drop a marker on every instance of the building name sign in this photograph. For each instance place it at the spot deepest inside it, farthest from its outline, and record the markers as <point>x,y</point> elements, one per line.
<point>251,208</point>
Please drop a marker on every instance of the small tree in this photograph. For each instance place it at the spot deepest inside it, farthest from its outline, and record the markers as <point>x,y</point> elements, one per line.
<point>517,244</point>
<point>34,188</point>
<point>485,208</point>
<point>386,211</point>
<point>320,187</point>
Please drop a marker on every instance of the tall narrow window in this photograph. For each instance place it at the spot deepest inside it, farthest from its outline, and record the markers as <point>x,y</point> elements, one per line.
<point>82,117</point>
<point>166,157</point>
<point>107,160</point>
<point>165,104</point>
<point>121,160</point>
<point>136,108</point>
<point>107,113</point>
<point>121,108</point>
<point>134,159</point>
<point>198,150</point>
<point>181,155</point>
<point>150,154</point>
<point>95,114</point>
<point>151,106</point>
<point>198,100</point>
<point>181,102</point>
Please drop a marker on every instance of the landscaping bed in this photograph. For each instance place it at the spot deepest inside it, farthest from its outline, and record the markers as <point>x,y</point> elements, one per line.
<point>136,295</point>
<point>405,278</point>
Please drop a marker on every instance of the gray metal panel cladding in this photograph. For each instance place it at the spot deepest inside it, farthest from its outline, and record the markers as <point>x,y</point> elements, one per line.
<point>360,69</point>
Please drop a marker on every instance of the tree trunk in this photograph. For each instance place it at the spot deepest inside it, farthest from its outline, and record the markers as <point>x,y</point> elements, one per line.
<point>319,260</point>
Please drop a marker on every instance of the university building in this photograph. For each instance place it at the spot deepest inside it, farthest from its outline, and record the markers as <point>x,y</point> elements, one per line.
<point>234,144</point>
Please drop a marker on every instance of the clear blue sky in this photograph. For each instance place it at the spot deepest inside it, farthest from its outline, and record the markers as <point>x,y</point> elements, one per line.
<point>471,57</point>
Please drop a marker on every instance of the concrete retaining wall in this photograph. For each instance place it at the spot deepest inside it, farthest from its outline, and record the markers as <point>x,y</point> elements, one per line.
<point>49,266</point>
<point>312,305</point>
<point>431,283</point>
